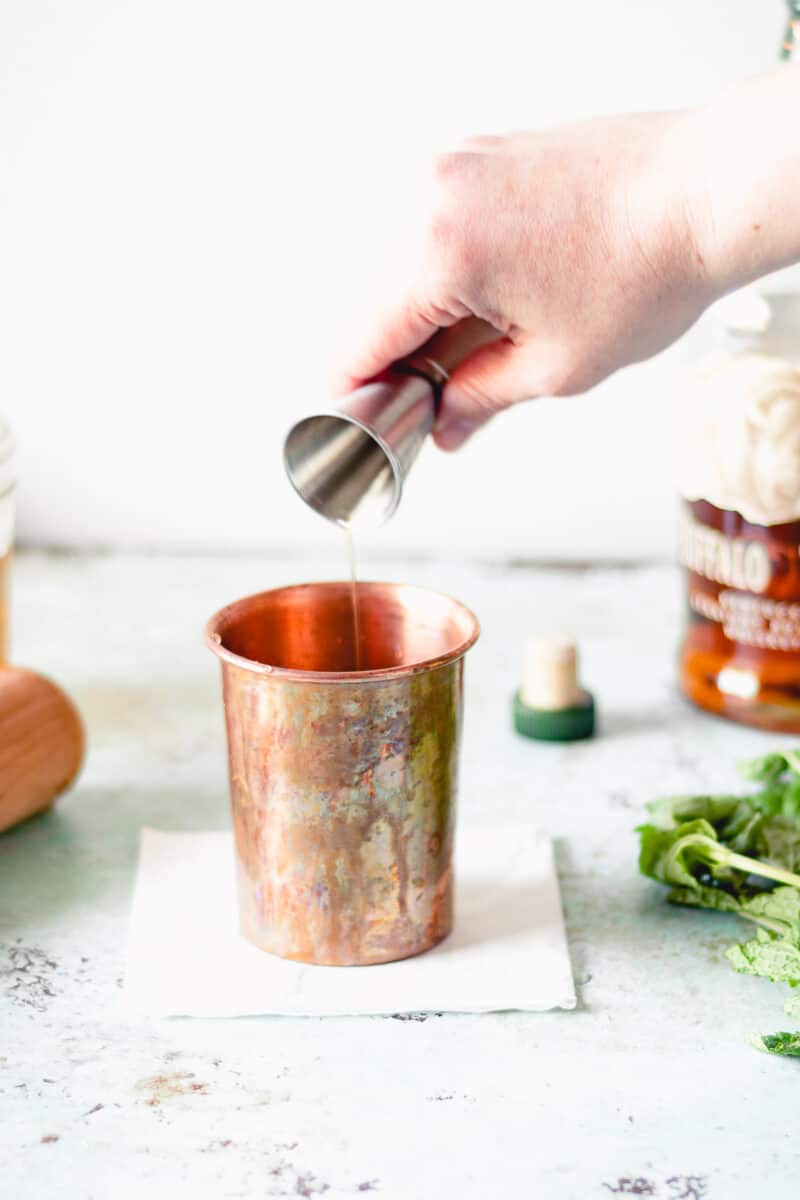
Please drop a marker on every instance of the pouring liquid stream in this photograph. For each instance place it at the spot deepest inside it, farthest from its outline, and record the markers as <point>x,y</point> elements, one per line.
<point>351,555</point>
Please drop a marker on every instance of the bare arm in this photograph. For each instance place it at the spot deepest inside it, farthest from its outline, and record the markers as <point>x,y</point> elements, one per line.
<point>746,190</point>
<point>593,245</point>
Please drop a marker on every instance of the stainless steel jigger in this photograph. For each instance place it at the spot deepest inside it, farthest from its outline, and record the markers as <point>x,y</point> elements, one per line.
<point>350,465</point>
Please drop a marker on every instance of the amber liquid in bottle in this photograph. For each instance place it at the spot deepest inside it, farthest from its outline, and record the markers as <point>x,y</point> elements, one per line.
<point>740,657</point>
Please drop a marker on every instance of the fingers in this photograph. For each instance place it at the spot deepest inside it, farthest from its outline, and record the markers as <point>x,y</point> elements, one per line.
<point>488,381</point>
<point>388,336</point>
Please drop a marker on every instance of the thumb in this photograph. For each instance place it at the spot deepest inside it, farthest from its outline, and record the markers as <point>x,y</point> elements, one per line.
<point>491,379</point>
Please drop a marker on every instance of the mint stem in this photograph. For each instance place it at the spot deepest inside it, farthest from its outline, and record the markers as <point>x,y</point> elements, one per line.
<point>751,866</point>
<point>778,927</point>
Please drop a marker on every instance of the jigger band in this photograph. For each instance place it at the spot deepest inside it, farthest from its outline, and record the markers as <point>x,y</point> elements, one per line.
<point>432,371</point>
<point>440,375</point>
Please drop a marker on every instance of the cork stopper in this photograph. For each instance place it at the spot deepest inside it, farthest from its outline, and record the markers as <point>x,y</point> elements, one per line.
<point>551,705</point>
<point>550,680</point>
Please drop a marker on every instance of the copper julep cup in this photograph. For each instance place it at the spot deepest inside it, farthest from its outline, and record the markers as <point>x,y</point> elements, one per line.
<point>343,780</point>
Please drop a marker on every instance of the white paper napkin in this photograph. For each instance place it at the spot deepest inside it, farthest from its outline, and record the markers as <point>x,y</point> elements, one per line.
<point>186,957</point>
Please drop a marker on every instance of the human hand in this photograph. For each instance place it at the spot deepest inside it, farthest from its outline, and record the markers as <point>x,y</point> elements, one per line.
<point>578,244</point>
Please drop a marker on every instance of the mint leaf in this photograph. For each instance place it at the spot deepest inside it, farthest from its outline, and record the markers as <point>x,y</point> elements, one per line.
<point>673,855</point>
<point>777,839</point>
<point>778,911</point>
<point>766,769</point>
<point>764,824</point>
<point>781,775</point>
<point>741,831</point>
<point>775,950</point>
<point>768,955</point>
<point>669,811</point>
<point>690,855</point>
<point>704,896</point>
<point>779,799</point>
<point>727,853</point>
<point>785,1044</point>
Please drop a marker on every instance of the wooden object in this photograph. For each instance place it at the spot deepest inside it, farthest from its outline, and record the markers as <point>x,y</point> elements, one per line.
<point>41,744</point>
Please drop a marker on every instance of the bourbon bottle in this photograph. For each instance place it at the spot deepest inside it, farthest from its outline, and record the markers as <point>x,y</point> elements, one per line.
<point>739,473</point>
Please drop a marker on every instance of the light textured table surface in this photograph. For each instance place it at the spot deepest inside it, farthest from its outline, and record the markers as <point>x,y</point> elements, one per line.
<point>649,1088</point>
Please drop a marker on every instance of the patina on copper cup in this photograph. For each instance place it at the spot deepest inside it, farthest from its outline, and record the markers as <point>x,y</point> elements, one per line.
<point>343,744</point>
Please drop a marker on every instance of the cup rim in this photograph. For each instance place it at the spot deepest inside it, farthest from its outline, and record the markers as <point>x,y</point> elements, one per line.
<point>213,638</point>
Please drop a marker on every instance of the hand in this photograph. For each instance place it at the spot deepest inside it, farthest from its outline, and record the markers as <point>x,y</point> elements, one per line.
<point>579,245</point>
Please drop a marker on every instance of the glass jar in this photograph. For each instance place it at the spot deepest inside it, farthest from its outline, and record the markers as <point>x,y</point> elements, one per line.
<point>7,487</point>
<point>739,474</point>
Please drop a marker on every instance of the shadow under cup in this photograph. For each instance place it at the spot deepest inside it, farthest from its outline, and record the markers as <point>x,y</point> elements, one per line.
<point>343,764</point>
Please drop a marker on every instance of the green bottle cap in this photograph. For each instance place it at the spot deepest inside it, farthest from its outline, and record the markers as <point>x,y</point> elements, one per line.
<point>555,724</point>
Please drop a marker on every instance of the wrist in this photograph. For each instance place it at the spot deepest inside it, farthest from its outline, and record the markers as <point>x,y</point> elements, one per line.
<point>704,267</point>
<point>742,186</point>
<point>664,210</point>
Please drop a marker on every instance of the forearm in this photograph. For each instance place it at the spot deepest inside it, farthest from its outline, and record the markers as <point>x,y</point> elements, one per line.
<point>745,178</point>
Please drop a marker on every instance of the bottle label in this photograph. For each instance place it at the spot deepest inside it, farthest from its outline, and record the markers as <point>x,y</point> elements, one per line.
<point>6,520</point>
<point>742,577</point>
<point>736,562</point>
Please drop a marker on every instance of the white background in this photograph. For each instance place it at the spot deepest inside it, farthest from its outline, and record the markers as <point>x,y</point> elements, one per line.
<point>192,195</point>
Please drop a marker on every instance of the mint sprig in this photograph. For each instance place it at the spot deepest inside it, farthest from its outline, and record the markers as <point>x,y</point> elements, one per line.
<point>740,854</point>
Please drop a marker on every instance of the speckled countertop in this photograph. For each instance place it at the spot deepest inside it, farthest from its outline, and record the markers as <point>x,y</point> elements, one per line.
<point>648,1089</point>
